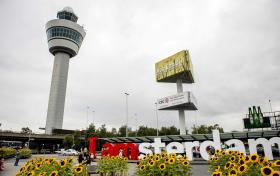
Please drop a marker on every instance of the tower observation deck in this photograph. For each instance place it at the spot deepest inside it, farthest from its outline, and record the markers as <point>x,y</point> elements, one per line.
<point>65,38</point>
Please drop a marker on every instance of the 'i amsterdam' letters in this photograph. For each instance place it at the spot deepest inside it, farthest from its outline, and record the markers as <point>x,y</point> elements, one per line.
<point>187,147</point>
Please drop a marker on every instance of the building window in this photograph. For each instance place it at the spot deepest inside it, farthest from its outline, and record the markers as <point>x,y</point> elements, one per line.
<point>65,33</point>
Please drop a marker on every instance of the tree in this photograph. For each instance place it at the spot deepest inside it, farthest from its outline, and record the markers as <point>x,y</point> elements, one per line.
<point>77,141</point>
<point>169,131</point>
<point>26,130</point>
<point>204,129</point>
<point>90,131</point>
<point>68,141</point>
<point>145,131</point>
<point>102,131</point>
<point>122,131</point>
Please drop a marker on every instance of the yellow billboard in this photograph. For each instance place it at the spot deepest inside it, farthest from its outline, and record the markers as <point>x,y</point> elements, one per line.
<point>177,66</point>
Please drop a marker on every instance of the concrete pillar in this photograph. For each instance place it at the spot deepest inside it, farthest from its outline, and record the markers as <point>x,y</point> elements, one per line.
<point>57,92</point>
<point>182,121</point>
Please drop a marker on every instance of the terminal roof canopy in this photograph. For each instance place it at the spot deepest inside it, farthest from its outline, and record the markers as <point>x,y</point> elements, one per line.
<point>195,137</point>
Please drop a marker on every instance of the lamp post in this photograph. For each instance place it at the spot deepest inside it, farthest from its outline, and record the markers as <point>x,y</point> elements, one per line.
<point>157,117</point>
<point>270,106</point>
<point>93,117</point>
<point>126,102</point>
<point>136,124</point>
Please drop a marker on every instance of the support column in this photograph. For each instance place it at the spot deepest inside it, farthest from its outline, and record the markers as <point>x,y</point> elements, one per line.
<point>57,92</point>
<point>182,121</point>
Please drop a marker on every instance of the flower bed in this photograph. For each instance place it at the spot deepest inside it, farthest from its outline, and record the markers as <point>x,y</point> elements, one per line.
<point>163,164</point>
<point>51,167</point>
<point>7,152</point>
<point>236,163</point>
<point>112,166</point>
<point>25,153</point>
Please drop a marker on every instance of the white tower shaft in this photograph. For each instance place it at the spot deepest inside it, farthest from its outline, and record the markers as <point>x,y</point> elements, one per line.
<point>182,121</point>
<point>57,92</point>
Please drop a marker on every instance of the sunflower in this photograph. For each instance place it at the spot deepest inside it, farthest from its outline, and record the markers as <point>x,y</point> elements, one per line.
<point>38,165</point>
<point>241,161</point>
<point>247,159</point>
<point>218,173</point>
<point>22,169</point>
<point>223,152</point>
<point>54,173</point>
<point>216,158</point>
<point>228,164</point>
<point>232,172</point>
<point>162,166</point>
<point>173,155</point>
<point>266,170</point>
<point>232,158</point>
<point>276,163</point>
<point>42,174</point>
<point>157,158</point>
<point>242,168</point>
<point>32,173</point>
<point>63,163</point>
<point>186,163</point>
<point>166,159</point>
<point>137,163</point>
<point>171,160</point>
<point>142,167</point>
<point>70,160</point>
<point>78,169</point>
<point>254,158</point>
<point>151,162</point>
<point>276,173</point>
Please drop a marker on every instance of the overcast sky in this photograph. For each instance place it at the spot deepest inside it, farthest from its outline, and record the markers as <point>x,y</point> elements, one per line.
<point>234,47</point>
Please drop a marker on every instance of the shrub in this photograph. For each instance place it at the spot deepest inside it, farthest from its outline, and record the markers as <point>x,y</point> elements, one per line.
<point>113,165</point>
<point>51,167</point>
<point>163,164</point>
<point>25,153</point>
<point>236,163</point>
<point>7,152</point>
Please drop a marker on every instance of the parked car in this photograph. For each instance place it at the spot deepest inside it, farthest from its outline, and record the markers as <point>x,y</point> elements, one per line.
<point>70,152</point>
<point>60,151</point>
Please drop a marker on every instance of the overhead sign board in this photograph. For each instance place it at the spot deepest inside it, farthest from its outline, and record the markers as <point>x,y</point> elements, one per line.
<point>184,100</point>
<point>177,66</point>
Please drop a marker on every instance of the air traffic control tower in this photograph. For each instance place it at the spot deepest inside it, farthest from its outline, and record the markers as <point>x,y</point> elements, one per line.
<point>177,69</point>
<point>65,38</point>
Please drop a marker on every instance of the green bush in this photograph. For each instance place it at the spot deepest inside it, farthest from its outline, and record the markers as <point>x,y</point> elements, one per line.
<point>7,152</point>
<point>25,153</point>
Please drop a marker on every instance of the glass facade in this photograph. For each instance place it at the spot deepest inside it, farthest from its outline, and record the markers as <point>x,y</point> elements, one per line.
<point>67,16</point>
<point>64,32</point>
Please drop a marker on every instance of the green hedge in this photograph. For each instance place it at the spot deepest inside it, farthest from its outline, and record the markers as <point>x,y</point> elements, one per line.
<point>25,153</point>
<point>7,152</point>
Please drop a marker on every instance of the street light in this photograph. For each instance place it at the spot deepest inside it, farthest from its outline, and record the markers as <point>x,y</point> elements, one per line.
<point>136,124</point>
<point>157,117</point>
<point>93,117</point>
<point>126,102</point>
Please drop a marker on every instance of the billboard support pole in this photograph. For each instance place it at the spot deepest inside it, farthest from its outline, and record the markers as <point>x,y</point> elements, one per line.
<point>182,121</point>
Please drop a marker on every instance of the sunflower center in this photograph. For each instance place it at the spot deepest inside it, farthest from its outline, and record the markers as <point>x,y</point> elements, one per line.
<point>254,157</point>
<point>242,168</point>
<point>267,171</point>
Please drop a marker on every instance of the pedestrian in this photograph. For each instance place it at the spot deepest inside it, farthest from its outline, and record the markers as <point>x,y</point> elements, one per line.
<point>1,163</point>
<point>87,158</point>
<point>80,157</point>
<point>17,158</point>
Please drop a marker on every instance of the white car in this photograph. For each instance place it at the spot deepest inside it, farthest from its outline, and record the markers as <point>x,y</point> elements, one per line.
<point>59,151</point>
<point>70,152</point>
